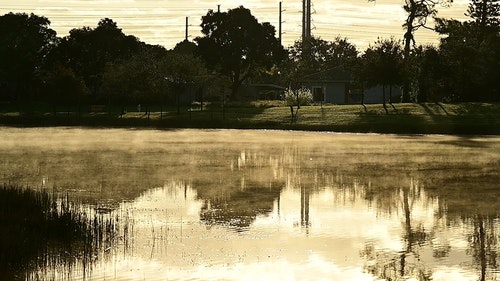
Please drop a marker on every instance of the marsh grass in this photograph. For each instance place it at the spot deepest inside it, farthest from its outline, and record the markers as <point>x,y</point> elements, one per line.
<point>39,230</point>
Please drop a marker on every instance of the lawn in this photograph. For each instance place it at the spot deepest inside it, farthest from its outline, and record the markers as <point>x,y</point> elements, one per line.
<point>461,118</point>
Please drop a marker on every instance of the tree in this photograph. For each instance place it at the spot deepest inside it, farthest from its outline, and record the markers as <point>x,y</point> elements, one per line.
<point>25,41</point>
<point>139,79</point>
<point>472,52</point>
<point>382,64</point>
<point>318,55</point>
<point>184,69</point>
<point>237,45</point>
<point>486,14</point>
<point>152,75</point>
<point>418,11</point>
<point>62,87</point>
<point>296,98</point>
<point>185,47</point>
<point>88,50</point>
<point>429,73</point>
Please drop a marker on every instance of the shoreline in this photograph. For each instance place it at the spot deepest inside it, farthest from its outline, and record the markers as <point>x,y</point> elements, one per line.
<point>417,119</point>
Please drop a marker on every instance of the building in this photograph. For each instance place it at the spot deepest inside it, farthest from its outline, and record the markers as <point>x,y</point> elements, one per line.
<point>337,86</point>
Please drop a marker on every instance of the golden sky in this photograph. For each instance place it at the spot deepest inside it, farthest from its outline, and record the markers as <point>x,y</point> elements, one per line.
<point>163,22</point>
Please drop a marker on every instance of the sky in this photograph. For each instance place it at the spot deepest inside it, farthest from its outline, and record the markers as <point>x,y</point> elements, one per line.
<point>163,22</point>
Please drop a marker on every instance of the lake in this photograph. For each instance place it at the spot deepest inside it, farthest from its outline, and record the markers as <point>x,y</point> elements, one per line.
<point>271,205</point>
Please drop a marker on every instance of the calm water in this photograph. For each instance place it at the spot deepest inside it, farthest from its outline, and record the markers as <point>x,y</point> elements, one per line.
<point>270,205</point>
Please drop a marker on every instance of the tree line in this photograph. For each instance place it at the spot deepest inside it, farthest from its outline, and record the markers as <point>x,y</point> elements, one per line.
<point>102,65</point>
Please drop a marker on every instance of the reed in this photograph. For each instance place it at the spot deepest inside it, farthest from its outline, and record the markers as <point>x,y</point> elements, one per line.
<point>40,229</point>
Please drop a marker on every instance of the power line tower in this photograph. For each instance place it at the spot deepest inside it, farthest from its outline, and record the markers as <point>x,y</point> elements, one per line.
<point>306,20</point>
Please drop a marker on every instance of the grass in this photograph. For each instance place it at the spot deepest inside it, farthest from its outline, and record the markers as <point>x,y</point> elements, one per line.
<point>464,118</point>
<point>39,230</point>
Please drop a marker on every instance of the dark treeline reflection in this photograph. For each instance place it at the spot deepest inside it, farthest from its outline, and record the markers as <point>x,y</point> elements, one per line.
<point>460,194</point>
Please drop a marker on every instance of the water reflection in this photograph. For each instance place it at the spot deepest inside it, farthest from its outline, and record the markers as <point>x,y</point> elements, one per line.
<point>281,205</point>
<point>343,239</point>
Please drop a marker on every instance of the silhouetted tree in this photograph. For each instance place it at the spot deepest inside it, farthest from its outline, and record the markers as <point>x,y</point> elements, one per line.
<point>152,75</point>
<point>486,14</point>
<point>418,11</point>
<point>186,47</point>
<point>382,64</point>
<point>183,70</point>
<point>25,41</point>
<point>317,55</point>
<point>87,51</point>
<point>472,50</point>
<point>237,45</point>
<point>62,87</point>
<point>428,70</point>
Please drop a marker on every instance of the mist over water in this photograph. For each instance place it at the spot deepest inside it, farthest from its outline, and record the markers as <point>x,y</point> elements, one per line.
<point>260,205</point>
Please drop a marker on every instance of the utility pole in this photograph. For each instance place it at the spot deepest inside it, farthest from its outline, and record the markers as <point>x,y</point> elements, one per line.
<point>279,23</point>
<point>187,28</point>
<point>306,20</point>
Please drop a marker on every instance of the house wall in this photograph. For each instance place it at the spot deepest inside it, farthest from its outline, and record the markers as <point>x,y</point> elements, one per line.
<point>375,94</point>
<point>337,93</point>
<point>334,92</point>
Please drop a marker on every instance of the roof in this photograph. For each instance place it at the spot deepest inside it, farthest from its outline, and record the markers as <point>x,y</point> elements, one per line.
<point>268,86</point>
<point>334,74</point>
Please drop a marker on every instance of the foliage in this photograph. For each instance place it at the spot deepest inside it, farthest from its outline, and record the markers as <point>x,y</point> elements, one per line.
<point>25,41</point>
<point>103,65</point>
<point>428,74</point>
<point>383,63</point>
<point>62,87</point>
<point>471,50</point>
<point>418,11</point>
<point>139,79</point>
<point>317,55</point>
<point>297,97</point>
<point>237,45</point>
<point>485,13</point>
<point>88,50</point>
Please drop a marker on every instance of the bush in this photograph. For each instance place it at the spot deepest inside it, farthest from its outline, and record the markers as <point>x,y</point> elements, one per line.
<point>297,97</point>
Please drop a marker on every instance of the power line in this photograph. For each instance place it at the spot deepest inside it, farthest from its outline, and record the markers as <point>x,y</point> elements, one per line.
<point>166,22</point>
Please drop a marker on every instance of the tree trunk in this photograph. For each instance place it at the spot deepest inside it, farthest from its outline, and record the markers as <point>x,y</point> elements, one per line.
<point>408,37</point>
<point>390,98</point>
<point>384,101</point>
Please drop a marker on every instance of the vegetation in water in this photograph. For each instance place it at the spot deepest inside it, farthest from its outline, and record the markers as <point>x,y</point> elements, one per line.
<point>40,230</point>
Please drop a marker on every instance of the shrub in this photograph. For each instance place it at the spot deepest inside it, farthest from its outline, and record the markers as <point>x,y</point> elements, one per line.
<point>297,97</point>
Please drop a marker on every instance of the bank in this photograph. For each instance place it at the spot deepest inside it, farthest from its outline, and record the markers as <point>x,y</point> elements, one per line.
<point>408,118</point>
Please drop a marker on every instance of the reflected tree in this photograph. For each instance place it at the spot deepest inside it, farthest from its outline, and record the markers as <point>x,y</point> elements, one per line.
<point>238,208</point>
<point>484,243</point>
<point>392,266</point>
